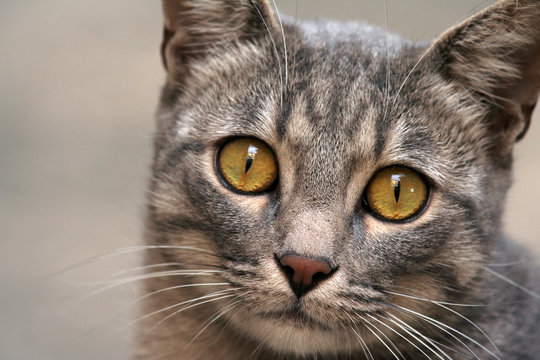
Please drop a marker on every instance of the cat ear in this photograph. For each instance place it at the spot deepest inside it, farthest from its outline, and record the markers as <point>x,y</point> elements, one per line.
<point>195,28</point>
<point>496,54</point>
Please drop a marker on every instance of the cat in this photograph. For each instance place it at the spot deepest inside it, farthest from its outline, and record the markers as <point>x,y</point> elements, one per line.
<point>325,190</point>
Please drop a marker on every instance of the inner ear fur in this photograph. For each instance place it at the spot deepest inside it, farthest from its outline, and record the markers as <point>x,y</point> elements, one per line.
<point>195,28</point>
<point>496,54</point>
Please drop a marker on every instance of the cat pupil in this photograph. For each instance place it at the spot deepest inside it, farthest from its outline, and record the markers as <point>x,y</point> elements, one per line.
<point>397,189</point>
<point>396,192</point>
<point>249,162</point>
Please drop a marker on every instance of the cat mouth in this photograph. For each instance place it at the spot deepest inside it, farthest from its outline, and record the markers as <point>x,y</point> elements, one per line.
<point>295,315</point>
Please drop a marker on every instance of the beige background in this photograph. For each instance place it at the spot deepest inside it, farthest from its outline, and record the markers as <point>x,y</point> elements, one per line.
<point>79,82</point>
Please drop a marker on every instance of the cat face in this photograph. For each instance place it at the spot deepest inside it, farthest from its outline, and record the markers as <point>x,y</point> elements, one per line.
<point>337,105</point>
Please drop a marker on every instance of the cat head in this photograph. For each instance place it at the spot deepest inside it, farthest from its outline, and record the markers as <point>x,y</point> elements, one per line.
<point>333,120</point>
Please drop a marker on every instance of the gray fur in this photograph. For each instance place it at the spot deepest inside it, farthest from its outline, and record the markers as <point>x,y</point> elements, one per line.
<point>336,103</point>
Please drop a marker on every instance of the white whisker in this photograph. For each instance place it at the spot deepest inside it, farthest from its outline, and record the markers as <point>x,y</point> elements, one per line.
<point>116,276</point>
<point>410,330</point>
<point>128,250</point>
<point>378,337</point>
<point>362,342</point>
<point>186,308</point>
<point>431,301</point>
<point>475,326</point>
<point>443,327</point>
<point>284,45</point>
<point>511,263</point>
<point>191,301</point>
<point>399,334</point>
<point>214,319</point>
<point>385,336</point>
<point>275,50</point>
<point>139,299</point>
<point>387,86</point>
<point>169,289</point>
<point>512,282</point>
<point>132,279</point>
<point>426,52</point>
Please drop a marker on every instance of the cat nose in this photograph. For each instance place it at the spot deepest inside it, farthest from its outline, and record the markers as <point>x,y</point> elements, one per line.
<point>304,273</point>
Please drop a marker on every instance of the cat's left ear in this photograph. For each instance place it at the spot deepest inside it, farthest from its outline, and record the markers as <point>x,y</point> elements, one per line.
<point>196,29</point>
<point>496,54</point>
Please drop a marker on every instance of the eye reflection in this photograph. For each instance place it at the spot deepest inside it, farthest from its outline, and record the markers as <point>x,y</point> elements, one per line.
<point>252,151</point>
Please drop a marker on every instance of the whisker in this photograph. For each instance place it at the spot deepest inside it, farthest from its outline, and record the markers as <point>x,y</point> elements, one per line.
<point>521,260</point>
<point>387,86</point>
<point>258,348</point>
<point>284,44</point>
<point>275,50</point>
<point>362,342</point>
<point>399,334</point>
<point>131,303</point>
<point>191,301</point>
<point>475,326</point>
<point>426,52</point>
<point>431,341</point>
<point>139,299</point>
<point>511,263</point>
<point>128,250</point>
<point>443,327</point>
<point>135,269</point>
<point>385,336</point>
<point>407,328</point>
<point>227,323</point>
<point>512,282</point>
<point>116,276</point>
<point>246,292</point>
<point>378,337</point>
<point>214,319</point>
<point>146,277</point>
<point>431,301</point>
<point>186,308</point>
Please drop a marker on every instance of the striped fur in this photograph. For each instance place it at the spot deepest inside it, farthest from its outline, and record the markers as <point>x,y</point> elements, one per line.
<point>336,102</point>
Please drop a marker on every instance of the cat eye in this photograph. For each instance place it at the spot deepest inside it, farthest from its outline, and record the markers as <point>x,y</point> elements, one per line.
<point>396,193</point>
<point>247,165</point>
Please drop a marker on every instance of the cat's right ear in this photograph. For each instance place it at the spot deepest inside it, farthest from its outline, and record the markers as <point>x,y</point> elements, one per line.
<point>496,55</point>
<point>195,29</point>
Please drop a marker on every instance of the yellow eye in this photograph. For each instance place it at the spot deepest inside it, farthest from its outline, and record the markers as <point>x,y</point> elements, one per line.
<point>396,193</point>
<point>248,165</point>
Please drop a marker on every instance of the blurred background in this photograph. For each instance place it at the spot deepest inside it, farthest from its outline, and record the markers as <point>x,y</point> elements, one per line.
<point>79,82</point>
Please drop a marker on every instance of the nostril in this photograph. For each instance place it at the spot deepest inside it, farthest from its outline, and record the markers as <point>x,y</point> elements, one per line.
<point>304,268</point>
<point>304,272</point>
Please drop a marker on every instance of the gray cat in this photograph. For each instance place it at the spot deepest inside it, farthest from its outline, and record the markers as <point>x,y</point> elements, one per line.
<point>324,190</point>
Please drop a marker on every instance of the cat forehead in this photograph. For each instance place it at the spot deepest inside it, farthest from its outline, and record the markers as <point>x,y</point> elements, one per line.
<point>316,49</point>
<point>330,68</point>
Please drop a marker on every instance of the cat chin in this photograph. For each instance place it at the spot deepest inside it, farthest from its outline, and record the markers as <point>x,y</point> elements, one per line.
<point>292,335</point>
<point>300,340</point>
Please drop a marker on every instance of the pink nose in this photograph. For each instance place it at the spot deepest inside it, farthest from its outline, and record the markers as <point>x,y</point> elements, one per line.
<point>304,268</point>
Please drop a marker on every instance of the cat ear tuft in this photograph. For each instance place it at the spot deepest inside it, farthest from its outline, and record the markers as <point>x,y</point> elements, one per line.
<point>496,54</point>
<point>195,28</point>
